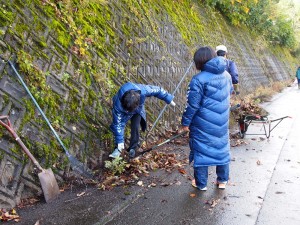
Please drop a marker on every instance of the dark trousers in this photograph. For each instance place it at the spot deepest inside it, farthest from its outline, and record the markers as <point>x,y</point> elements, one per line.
<point>201,174</point>
<point>135,131</point>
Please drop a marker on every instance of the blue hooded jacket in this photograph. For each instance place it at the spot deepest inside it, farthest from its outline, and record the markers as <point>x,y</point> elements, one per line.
<point>298,73</point>
<point>207,114</point>
<point>232,70</point>
<point>121,116</point>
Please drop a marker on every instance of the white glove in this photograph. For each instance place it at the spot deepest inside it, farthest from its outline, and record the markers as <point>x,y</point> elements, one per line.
<point>121,146</point>
<point>172,103</point>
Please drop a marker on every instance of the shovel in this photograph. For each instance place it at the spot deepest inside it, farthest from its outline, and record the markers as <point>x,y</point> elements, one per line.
<point>48,182</point>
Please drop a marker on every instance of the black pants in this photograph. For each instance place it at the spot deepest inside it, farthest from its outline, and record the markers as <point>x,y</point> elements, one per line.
<point>135,132</point>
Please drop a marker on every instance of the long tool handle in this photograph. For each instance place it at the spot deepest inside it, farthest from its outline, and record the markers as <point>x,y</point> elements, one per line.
<point>164,142</point>
<point>39,108</point>
<point>162,111</point>
<point>9,127</point>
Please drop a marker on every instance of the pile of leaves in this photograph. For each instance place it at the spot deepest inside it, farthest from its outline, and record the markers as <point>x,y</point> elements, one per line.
<point>247,106</point>
<point>242,107</point>
<point>132,172</point>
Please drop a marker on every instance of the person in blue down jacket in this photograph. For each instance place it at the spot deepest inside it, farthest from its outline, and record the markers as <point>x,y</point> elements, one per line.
<point>128,104</point>
<point>206,117</point>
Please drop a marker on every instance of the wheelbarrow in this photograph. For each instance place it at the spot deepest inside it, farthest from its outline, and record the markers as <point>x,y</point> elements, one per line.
<point>245,120</point>
<point>48,182</point>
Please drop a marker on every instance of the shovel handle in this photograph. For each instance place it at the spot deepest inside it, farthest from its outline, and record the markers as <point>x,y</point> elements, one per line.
<point>9,127</point>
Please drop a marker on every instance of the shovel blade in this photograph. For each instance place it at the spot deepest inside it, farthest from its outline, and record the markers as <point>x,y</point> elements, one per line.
<point>49,185</point>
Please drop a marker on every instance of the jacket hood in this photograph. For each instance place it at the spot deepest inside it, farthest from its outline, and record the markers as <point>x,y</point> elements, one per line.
<point>216,65</point>
<point>126,87</point>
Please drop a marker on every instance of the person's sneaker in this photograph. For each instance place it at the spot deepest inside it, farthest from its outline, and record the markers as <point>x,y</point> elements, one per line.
<point>195,186</point>
<point>131,153</point>
<point>194,183</point>
<point>203,189</point>
<point>115,154</point>
<point>222,185</point>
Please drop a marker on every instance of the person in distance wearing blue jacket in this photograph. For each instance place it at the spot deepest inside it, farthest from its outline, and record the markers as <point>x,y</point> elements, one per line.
<point>231,68</point>
<point>129,104</point>
<point>298,76</point>
<point>206,117</point>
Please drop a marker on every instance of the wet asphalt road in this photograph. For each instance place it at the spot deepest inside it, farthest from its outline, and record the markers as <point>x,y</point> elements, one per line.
<point>264,185</point>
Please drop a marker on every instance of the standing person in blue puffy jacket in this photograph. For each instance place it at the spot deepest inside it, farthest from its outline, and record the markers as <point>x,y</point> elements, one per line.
<point>231,68</point>
<point>298,76</point>
<point>128,104</point>
<point>206,117</point>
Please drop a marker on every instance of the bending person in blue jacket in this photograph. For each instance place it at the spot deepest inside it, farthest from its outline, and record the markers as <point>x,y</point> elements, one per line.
<point>128,104</point>
<point>206,117</point>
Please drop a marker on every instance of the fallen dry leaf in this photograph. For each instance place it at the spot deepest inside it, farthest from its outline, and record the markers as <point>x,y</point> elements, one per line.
<point>182,171</point>
<point>192,195</point>
<point>9,215</point>
<point>152,185</point>
<point>80,194</point>
<point>212,202</point>
<point>178,183</point>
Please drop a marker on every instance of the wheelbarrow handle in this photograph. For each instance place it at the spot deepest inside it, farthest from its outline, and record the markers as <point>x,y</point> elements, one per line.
<point>9,127</point>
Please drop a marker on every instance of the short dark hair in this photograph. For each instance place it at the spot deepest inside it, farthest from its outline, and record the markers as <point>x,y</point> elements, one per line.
<point>221,53</point>
<point>130,100</point>
<point>203,55</point>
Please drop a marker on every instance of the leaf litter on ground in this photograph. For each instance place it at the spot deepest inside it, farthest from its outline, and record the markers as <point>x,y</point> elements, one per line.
<point>162,158</point>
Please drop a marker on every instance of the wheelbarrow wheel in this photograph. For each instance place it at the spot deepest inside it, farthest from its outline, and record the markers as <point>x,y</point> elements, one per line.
<point>242,134</point>
<point>242,126</point>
